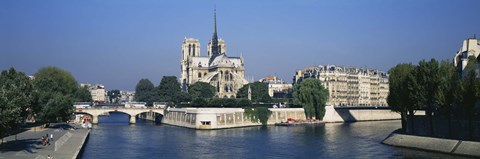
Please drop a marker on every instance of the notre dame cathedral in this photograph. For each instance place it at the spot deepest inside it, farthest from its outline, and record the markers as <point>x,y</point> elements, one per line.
<point>225,73</point>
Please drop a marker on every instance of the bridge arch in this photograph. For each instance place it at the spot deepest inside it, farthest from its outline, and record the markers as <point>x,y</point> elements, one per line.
<point>133,112</point>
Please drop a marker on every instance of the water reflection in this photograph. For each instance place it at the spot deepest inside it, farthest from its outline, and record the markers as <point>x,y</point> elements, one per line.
<point>147,140</point>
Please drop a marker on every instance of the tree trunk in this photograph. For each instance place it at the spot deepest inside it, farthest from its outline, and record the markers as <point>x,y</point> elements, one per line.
<point>430,120</point>
<point>403,116</point>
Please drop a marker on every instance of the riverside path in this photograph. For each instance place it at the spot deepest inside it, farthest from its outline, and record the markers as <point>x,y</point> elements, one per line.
<point>68,139</point>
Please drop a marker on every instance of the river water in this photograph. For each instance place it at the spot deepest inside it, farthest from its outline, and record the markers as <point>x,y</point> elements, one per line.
<point>115,138</point>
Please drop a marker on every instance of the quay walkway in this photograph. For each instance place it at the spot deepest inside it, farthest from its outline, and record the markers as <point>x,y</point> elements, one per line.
<point>68,139</point>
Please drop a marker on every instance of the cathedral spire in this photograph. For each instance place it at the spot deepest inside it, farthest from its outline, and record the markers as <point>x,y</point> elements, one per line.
<point>214,49</point>
<point>215,23</point>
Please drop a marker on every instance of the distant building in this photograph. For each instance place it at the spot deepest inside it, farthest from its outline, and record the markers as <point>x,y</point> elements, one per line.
<point>160,104</point>
<point>127,96</point>
<point>349,86</point>
<point>99,95</point>
<point>277,88</point>
<point>82,104</point>
<point>470,47</point>
<point>225,73</point>
<point>135,105</point>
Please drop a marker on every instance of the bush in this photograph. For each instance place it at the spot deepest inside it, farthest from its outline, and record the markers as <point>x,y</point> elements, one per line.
<point>199,102</point>
<point>243,102</point>
<point>259,114</point>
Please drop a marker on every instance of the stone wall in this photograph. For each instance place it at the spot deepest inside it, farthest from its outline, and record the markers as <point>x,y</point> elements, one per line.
<point>444,128</point>
<point>353,114</point>
<point>219,118</point>
<point>180,118</point>
<point>434,144</point>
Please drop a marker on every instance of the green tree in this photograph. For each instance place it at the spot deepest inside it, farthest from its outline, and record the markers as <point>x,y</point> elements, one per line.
<point>15,99</point>
<point>182,97</point>
<point>83,95</point>
<point>259,114</point>
<point>471,91</point>
<point>169,90</point>
<point>199,102</point>
<point>113,95</point>
<point>215,102</point>
<point>313,96</point>
<point>243,102</point>
<point>229,102</point>
<point>145,91</point>
<point>444,96</point>
<point>201,90</point>
<point>56,89</point>
<point>259,92</point>
<point>398,99</point>
<point>428,78</point>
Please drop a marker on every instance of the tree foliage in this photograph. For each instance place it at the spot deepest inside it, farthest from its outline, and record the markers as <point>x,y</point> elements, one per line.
<point>471,86</point>
<point>433,86</point>
<point>56,89</point>
<point>258,114</point>
<point>259,92</point>
<point>113,95</point>
<point>243,102</point>
<point>15,98</point>
<point>145,91</point>
<point>312,96</point>
<point>83,95</point>
<point>201,90</point>
<point>398,78</point>
<point>199,102</point>
<point>169,90</point>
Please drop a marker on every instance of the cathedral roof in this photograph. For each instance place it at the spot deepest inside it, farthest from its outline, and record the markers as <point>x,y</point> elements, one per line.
<point>199,61</point>
<point>222,61</point>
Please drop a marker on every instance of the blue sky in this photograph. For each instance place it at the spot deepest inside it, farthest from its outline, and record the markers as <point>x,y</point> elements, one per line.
<point>118,42</point>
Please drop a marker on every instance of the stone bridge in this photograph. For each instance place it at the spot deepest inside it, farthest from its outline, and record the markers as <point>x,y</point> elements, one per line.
<point>133,112</point>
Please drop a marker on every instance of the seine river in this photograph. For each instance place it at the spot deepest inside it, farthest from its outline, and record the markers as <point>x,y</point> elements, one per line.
<point>115,138</point>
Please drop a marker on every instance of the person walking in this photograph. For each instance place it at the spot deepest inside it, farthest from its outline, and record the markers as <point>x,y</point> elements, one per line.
<point>44,141</point>
<point>51,137</point>
<point>47,139</point>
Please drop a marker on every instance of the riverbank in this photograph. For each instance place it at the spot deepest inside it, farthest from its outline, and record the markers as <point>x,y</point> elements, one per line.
<point>68,141</point>
<point>448,146</point>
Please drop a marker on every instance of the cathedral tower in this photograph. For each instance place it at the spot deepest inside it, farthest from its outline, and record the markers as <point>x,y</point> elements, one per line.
<point>190,48</point>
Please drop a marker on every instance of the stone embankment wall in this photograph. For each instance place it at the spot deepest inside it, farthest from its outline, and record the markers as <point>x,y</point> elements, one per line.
<point>355,114</point>
<point>444,128</point>
<point>59,143</point>
<point>457,147</point>
<point>219,118</point>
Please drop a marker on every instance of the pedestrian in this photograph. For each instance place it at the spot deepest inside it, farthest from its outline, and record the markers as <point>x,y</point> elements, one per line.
<point>46,138</point>
<point>49,157</point>
<point>44,142</point>
<point>51,137</point>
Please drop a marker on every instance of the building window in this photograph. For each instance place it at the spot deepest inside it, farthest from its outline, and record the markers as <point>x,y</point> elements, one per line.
<point>205,122</point>
<point>189,50</point>
<point>193,49</point>
<point>199,75</point>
